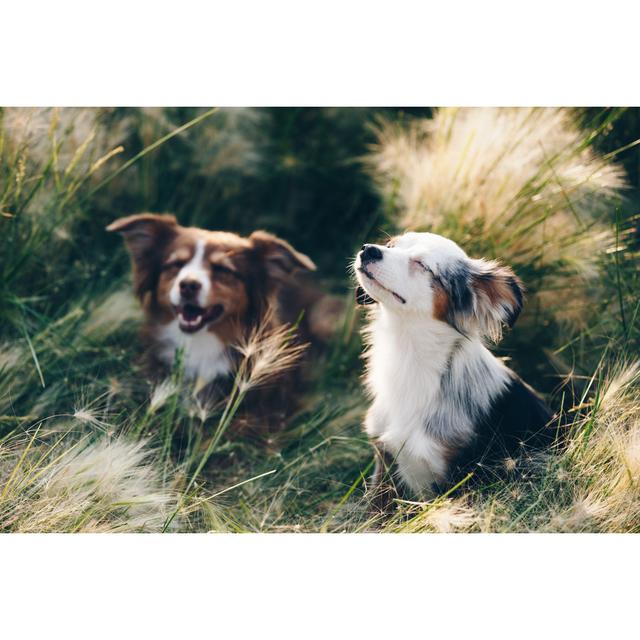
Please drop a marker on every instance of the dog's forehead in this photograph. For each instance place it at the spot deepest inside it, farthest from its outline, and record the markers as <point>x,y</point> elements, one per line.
<point>189,238</point>
<point>430,246</point>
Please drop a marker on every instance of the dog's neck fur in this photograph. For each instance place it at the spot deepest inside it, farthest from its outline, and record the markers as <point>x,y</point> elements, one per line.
<point>429,384</point>
<point>206,356</point>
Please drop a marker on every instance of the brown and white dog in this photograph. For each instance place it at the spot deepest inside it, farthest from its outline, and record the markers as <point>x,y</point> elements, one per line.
<point>443,404</point>
<point>203,291</point>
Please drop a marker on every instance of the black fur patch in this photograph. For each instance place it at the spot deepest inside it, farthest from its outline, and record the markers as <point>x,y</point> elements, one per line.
<point>518,293</point>
<point>456,282</point>
<point>517,421</point>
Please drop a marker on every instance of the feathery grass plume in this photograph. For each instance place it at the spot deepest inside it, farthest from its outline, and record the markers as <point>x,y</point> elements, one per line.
<point>65,485</point>
<point>90,417</point>
<point>59,150</point>
<point>450,517</point>
<point>161,393</point>
<point>267,352</point>
<point>518,184</point>
<point>67,132</point>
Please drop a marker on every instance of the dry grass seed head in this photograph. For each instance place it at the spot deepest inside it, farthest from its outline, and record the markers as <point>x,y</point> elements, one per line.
<point>110,485</point>
<point>269,350</point>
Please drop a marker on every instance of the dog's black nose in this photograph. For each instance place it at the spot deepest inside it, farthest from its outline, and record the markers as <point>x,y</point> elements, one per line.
<point>370,253</point>
<point>189,288</point>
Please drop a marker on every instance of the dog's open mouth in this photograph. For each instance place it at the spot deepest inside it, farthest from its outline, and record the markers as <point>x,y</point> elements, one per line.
<point>397,296</point>
<point>192,317</point>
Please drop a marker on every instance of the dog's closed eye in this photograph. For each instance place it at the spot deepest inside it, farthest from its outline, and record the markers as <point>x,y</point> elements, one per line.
<point>173,264</point>
<point>426,269</point>
<point>223,271</point>
<point>422,266</point>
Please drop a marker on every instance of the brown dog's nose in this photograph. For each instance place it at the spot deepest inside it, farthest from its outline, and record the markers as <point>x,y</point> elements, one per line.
<point>189,288</point>
<point>370,253</point>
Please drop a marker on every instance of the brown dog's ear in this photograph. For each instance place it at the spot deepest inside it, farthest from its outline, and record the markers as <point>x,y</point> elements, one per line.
<point>146,235</point>
<point>499,297</point>
<point>279,256</point>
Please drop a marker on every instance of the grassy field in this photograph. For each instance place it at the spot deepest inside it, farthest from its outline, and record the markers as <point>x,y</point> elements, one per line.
<point>87,444</point>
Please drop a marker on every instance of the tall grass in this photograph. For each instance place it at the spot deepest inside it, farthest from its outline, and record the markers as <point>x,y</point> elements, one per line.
<point>88,444</point>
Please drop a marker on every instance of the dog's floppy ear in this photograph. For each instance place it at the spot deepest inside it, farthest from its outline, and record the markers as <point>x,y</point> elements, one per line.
<point>146,235</point>
<point>279,257</point>
<point>482,296</point>
<point>362,297</point>
<point>499,296</point>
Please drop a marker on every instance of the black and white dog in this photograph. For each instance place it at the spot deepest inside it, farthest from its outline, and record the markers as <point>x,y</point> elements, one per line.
<point>443,405</point>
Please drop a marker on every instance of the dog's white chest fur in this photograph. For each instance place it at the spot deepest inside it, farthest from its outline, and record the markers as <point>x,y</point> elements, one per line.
<point>427,382</point>
<point>205,356</point>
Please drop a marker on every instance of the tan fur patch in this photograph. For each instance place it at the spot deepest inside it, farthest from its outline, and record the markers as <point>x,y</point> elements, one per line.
<point>498,288</point>
<point>440,303</point>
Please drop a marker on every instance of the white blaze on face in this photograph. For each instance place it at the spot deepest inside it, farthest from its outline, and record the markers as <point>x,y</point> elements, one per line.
<point>195,269</point>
